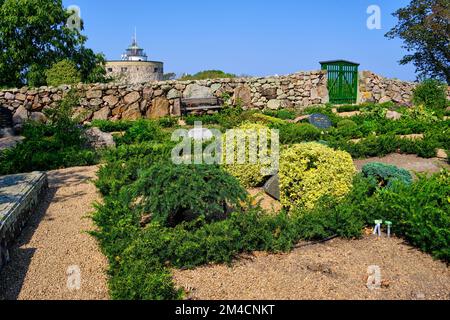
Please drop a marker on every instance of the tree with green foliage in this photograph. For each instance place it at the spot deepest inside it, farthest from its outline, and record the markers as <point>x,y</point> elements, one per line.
<point>34,36</point>
<point>208,74</point>
<point>424,27</point>
<point>63,72</point>
<point>432,94</point>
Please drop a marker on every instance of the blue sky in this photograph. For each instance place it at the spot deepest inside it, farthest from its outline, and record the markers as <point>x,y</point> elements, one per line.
<point>253,37</point>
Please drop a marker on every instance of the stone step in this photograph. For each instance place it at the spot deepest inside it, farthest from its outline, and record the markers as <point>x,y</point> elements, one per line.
<point>19,197</point>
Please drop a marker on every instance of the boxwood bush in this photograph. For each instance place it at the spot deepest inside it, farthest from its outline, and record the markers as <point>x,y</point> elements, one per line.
<point>248,174</point>
<point>310,171</point>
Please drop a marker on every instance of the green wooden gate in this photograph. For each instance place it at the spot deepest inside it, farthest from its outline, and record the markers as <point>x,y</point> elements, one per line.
<point>342,81</point>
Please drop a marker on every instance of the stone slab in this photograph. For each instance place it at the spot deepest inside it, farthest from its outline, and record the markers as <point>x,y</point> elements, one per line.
<point>19,196</point>
<point>272,187</point>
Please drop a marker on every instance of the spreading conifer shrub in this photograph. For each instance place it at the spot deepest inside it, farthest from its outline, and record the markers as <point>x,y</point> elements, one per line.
<point>173,193</point>
<point>310,171</point>
<point>386,175</point>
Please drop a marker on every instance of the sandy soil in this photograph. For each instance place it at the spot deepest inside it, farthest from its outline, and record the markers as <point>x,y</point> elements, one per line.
<point>55,240</point>
<point>336,270</point>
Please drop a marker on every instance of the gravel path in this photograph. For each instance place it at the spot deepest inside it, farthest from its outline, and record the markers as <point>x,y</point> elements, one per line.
<point>336,270</point>
<point>54,241</point>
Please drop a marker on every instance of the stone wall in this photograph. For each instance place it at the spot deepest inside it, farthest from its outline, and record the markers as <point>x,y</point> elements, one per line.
<point>159,99</point>
<point>375,88</point>
<point>19,197</point>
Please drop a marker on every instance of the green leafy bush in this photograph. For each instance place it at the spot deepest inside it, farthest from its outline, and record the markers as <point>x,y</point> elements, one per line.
<point>432,94</point>
<point>386,175</point>
<point>63,72</point>
<point>112,126</point>
<point>168,122</point>
<point>143,131</point>
<point>282,114</point>
<point>346,124</point>
<point>267,120</point>
<point>296,133</point>
<point>310,171</point>
<point>176,193</point>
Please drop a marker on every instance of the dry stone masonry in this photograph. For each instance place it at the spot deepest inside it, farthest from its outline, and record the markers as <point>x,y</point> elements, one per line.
<point>19,197</point>
<point>159,99</point>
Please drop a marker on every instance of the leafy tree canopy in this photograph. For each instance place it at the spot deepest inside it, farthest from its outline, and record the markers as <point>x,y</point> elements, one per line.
<point>424,27</point>
<point>208,74</point>
<point>34,36</point>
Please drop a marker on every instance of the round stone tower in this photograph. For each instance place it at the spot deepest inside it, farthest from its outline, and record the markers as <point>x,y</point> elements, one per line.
<point>134,67</point>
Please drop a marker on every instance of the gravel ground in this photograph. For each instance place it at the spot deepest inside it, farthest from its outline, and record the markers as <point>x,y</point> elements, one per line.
<point>54,240</point>
<point>336,270</point>
<point>408,162</point>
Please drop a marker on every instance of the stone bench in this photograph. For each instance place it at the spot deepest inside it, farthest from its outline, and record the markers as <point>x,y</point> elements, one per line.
<point>19,197</point>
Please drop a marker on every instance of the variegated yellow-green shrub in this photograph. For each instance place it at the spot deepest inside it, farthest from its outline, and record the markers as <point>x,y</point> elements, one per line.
<point>249,174</point>
<point>309,171</point>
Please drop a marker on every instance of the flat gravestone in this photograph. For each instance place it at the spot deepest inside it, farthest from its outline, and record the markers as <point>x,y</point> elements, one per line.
<point>272,187</point>
<point>320,121</point>
<point>19,196</point>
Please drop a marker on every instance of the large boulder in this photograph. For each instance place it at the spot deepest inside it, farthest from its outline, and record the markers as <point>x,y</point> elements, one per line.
<point>173,94</point>
<point>94,94</point>
<point>159,108</point>
<point>98,139</point>
<point>111,100</point>
<point>275,104</point>
<point>197,92</point>
<point>269,93</point>
<point>20,116</point>
<point>102,114</point>
<point>81,114</point>
<point>243,94</point>
<point>38,117</point>
<point>132,97</point>
<point>132,112</point>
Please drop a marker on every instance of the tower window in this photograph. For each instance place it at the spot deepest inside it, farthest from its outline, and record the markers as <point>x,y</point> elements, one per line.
<point>124,69</point>
<point>110,69</point>
<point>156,70</point>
